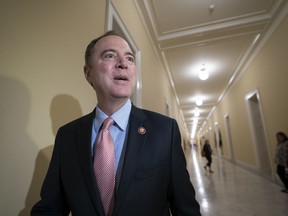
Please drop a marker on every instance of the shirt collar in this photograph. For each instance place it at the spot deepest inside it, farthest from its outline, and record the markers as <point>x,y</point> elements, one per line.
<point>121,117</point>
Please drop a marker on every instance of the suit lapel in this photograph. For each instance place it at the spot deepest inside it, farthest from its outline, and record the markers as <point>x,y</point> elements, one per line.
<point>85,159</point>
<point>135,143</point>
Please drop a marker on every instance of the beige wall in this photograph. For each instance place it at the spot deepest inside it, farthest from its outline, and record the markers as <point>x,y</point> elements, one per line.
<point>42,84</point>
<point>42,87</point>
<point>268,74</point>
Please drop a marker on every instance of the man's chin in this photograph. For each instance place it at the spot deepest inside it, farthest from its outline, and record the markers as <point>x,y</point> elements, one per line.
<point>121,96</point>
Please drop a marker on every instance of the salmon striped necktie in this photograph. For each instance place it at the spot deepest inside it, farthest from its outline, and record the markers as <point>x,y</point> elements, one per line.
<point>104,166</point>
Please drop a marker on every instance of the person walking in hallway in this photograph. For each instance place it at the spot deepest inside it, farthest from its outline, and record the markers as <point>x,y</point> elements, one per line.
<point>281,158</point>
<point>208,155</point>
<point>147,168</point>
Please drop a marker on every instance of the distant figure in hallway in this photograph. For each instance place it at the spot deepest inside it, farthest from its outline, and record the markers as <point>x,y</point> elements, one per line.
<point>208,154</point>
<point>281,158</point>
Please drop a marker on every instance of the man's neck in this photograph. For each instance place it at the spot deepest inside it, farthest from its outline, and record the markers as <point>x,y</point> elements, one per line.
<point>111,106</point>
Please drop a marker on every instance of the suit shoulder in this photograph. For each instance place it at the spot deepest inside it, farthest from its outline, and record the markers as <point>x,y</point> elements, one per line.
<point>157,116</point>
<point>159,122</point>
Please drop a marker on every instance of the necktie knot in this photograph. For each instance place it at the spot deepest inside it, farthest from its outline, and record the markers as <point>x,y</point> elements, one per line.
<point>107,123</point>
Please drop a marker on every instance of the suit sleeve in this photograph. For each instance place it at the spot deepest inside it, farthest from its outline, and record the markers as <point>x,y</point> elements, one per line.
<point>53,200</point>
<point>181,191</point>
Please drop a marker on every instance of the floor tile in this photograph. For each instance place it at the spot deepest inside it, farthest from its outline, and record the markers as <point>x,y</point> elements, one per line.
<point>234,191</point>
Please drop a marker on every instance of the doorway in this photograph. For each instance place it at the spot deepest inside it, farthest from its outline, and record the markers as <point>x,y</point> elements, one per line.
<point>229,136</point>
<point>114,22</point>
<point>258,134</point>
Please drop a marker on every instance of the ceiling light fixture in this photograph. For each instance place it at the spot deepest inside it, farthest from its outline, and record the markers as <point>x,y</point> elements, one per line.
<point>199,101</point>
<point>211,8</point>
<point>196,113</point>
<point>203,74</point>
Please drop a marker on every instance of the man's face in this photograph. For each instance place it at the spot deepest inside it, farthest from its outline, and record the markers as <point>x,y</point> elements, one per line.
<point>112,72</point>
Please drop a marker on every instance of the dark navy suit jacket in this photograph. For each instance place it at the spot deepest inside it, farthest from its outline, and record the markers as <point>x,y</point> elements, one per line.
<point>154,179</point>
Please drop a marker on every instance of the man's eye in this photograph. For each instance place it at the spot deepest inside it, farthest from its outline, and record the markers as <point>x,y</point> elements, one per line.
<point>131,59</point>
<point>109,55</point>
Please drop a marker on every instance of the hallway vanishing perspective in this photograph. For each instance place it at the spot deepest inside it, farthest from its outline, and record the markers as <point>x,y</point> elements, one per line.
<point>234,191</point>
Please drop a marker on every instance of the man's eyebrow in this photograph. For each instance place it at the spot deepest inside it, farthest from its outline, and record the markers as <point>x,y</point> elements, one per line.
<point>115,51</point>
<point>108,50</point>
<point>130,53</point>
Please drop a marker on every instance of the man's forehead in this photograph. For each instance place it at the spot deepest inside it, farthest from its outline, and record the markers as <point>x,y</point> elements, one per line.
<point>112,41</point>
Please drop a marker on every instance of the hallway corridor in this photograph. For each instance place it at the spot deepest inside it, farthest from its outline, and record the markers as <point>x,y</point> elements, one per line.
<point>233,191</point>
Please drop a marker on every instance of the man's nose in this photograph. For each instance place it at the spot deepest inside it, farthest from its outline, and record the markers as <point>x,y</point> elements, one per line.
<point>122,63</point>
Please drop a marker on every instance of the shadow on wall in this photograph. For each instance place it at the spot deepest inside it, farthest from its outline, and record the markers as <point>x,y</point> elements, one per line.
<point>16,146</point>
<point>64,108</point>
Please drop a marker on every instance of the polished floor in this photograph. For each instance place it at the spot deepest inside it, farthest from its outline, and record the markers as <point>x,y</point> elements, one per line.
<point>233,191</point>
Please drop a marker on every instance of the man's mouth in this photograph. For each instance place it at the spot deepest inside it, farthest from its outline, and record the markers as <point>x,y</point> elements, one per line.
<point>124,78</point>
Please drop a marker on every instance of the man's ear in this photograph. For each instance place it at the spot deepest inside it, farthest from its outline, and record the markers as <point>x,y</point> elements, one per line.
<point>87,74</point>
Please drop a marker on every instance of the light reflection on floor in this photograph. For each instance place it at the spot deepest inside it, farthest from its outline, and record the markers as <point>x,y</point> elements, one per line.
<point>233,191</point>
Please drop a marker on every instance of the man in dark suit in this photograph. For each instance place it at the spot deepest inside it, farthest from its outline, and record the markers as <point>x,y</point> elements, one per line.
<point>151,177</point>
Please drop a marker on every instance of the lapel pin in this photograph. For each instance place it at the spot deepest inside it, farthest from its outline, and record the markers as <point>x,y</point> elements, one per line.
<point>141,130</point>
